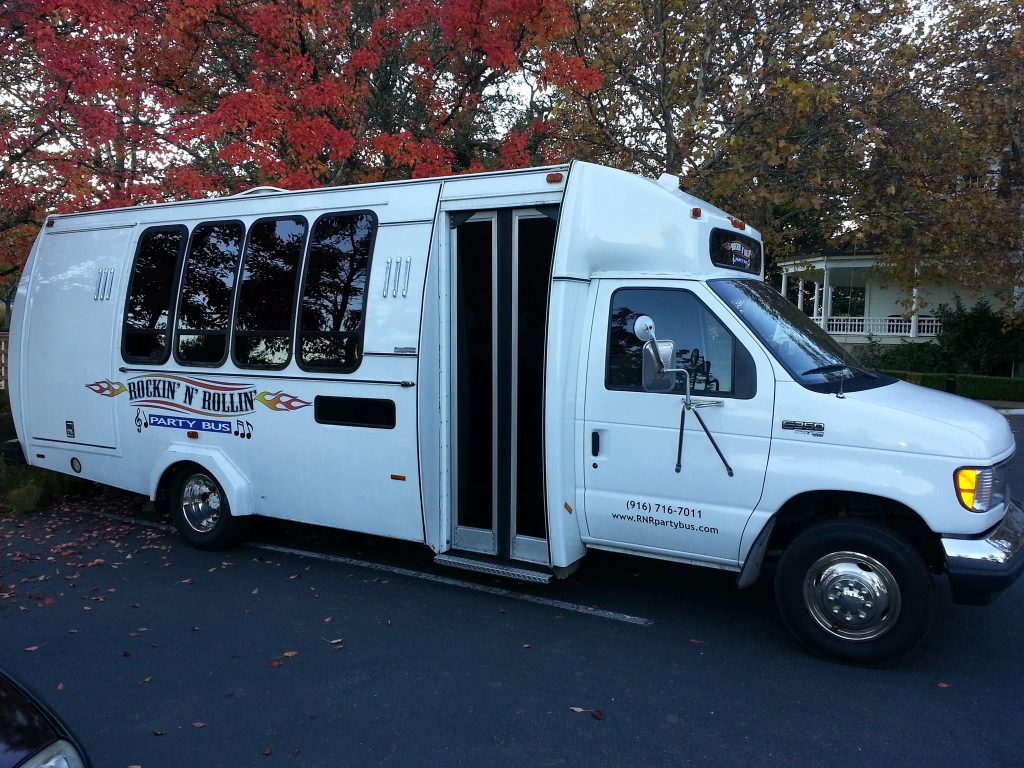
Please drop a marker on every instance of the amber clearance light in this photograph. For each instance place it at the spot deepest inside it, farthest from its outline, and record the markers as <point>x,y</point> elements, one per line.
<point>976,488</point>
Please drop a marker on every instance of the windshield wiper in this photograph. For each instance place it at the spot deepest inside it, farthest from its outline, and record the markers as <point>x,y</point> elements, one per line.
<point>833,368</point>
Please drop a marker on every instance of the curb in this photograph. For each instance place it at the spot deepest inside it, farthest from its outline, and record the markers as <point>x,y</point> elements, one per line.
<point>1011,411</point>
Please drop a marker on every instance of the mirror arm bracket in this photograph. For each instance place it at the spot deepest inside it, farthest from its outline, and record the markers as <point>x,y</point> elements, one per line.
<point>689,405</point>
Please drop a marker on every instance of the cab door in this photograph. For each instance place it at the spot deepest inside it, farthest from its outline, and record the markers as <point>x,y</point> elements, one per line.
<point>635,498</point>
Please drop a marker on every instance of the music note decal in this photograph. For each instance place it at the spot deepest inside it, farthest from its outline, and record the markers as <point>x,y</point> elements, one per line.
<point>243,429</point>
<point>140,420</point>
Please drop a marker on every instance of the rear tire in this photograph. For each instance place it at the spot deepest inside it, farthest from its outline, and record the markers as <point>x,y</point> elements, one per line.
<point>201,511</point>
<point>855,590</point>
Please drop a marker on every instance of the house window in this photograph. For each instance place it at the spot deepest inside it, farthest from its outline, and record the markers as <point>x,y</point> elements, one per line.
<point>716,362</point>
<point>151,292</point>
<point>334,294</point>
<point>204,309</point>
<point>266,293</point>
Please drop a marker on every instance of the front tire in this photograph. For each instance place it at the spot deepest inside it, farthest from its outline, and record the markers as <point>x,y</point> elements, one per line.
<point>201,511</point>
<point>855,590</point>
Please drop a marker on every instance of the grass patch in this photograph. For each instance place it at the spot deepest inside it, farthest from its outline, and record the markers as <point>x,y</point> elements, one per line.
<point>25,489</point>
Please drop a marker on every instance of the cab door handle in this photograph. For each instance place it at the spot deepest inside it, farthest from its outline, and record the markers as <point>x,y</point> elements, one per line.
<point>595,443</point>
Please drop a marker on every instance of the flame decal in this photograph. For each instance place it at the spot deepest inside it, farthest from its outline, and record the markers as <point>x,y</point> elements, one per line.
<point>280,401</point>
<point>107,388</point>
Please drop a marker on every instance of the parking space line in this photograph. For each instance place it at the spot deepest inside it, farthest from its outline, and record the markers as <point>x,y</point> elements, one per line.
<point>413,574</point>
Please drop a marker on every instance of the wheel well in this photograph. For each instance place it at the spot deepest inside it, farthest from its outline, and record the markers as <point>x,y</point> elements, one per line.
<point>808,508</point>
<point>161,500</point>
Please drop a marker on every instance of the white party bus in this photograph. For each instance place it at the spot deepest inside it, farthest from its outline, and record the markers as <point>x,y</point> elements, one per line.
<point>511,368</point>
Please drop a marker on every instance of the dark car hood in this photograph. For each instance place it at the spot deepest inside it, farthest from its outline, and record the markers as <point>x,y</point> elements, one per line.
<point>24,726</point>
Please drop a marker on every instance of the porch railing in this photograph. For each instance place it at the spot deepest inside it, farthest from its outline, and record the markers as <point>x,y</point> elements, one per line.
<point>881,326</point>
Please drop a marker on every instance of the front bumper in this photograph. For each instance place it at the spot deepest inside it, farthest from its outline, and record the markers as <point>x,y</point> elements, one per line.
<point>979,569</point>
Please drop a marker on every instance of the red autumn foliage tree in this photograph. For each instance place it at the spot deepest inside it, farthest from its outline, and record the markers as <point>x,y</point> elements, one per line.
<point>110,102</point>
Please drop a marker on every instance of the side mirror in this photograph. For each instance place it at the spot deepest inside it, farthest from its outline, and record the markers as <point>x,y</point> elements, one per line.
<point>643,328</point>
<point>658,376</point>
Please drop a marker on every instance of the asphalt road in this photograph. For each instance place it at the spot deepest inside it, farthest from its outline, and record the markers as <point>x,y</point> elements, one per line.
<point>160,655</point>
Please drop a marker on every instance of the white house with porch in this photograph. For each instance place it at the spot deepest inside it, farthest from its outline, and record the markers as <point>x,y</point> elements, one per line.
<point>846,296</point>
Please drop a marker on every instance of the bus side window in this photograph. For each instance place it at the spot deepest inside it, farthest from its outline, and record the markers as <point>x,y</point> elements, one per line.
<point>151,291</point>
<point>207,291</point>
<point>333,307</point>
<point>266,293</point>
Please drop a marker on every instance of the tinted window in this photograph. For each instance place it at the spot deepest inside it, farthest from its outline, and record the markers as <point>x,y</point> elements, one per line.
<point>734,251</point>
<point>703,346</point>
<point>148,307</point>
<point>334,294</point>
<point>266,293</point>
<point>354,411</point>
<point>204,309</point>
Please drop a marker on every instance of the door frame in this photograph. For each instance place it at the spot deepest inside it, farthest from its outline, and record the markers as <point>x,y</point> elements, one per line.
<point>502,539</point>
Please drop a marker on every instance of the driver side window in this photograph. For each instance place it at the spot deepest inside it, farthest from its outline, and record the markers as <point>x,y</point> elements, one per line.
<point>719,366</point>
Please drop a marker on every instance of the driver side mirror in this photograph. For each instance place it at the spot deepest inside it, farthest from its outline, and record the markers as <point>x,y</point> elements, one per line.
<point>658,359</point>
<point>658,374</point>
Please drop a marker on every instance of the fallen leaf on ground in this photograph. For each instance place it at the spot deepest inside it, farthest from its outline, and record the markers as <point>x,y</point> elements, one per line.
<point>32,648</point>
<point>268,752</point>
<point>198,725</point>
<point>290,654</point>
<point>597,714</point>
<point>940,685</point>
<point>276,663</point>
<point>159,733</point>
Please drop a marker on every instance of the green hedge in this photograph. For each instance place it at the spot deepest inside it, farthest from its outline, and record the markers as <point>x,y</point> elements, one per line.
<point>974,387</point>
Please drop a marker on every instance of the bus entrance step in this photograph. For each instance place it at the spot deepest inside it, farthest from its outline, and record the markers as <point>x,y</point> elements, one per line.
<point>494,569</point>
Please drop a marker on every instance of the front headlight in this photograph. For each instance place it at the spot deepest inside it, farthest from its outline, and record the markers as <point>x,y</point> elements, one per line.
<point>979,489</point>
<point>60,754</point>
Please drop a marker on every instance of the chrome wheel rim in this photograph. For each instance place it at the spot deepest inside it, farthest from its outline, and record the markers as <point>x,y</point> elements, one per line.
<point>201,503</point>
<point>852,596</point>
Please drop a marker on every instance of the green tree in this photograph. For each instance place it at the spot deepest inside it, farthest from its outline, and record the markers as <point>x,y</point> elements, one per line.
<point>897,125</point>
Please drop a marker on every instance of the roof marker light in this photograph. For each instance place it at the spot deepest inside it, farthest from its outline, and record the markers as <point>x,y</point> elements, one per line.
<point>737,223</point>
<point>554,178</point>
<point>695,213</point>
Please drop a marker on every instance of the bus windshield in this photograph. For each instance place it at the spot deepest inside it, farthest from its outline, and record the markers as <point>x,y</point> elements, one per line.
<point>811,356</point>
